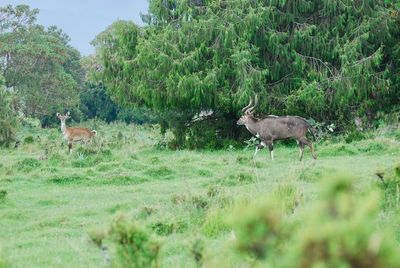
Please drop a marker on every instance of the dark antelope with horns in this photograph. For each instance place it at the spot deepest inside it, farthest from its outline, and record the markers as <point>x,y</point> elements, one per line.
<point>272,128</point>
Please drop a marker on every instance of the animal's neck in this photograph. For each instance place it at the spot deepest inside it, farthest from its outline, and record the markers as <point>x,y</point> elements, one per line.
<point>63,126</point>
<point>252,126</point>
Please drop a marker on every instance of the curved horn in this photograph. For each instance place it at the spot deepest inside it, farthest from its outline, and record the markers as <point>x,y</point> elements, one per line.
<point>251,110</point>
<point>244,110</point>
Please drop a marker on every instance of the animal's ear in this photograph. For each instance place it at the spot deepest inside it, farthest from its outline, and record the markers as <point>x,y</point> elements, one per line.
<point>58,114</point>
<point>67,113</point>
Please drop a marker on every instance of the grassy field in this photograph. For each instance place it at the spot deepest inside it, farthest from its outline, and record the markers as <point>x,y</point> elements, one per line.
<point>52,205</point>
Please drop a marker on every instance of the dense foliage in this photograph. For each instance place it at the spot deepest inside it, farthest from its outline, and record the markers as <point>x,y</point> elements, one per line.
<point>38,63</point>
<point>328,60</point>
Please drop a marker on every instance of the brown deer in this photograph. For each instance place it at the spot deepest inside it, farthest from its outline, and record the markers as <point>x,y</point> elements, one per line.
<point>271,128</point>
<point>72,134</point>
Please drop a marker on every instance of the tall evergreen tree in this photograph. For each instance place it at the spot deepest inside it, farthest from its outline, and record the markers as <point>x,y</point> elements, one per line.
<point>329,60</point>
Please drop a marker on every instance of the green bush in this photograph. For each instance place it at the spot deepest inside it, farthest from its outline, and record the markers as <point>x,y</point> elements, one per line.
<point>340,231</point>
<point>134,247</point>
<point>337,229</point>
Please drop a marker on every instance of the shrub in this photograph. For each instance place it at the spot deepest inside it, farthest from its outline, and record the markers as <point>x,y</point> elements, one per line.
<point>339,231</point>
<point>134,247</point>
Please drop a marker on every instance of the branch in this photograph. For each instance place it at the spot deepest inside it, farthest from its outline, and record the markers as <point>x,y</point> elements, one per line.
<point>316,59</point>
<point>365,59</point>
<point>280,80</point>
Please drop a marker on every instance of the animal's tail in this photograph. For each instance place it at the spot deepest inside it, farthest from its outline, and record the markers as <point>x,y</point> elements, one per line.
<point>312,131</point>
<point>94,132</point>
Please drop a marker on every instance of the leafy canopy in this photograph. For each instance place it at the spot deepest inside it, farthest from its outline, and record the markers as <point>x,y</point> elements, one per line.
<point>330,60</point>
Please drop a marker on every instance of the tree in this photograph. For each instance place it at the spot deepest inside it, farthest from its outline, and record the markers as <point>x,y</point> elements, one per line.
<point>329,60</point>
<point>38,63</point>
<point>8,120</point>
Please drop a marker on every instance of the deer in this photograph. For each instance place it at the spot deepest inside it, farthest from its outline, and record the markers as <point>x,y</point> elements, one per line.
<point>271,128</point>
<point>73,134</point>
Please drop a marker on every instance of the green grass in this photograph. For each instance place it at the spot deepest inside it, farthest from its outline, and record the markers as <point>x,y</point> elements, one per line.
<point>52,205</point>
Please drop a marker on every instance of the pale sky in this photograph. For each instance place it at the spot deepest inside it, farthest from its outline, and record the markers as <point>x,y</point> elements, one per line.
<point>82,20</point>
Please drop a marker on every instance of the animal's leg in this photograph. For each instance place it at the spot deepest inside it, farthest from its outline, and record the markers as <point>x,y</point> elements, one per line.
<point>69,147</point>
<point>271,150</point>
<point>301,147</point>
<point>309,144</point>
<point>258,147</point>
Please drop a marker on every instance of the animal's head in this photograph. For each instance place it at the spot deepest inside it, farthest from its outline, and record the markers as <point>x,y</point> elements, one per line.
<point>247,113</point>
<point>64,117</point>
